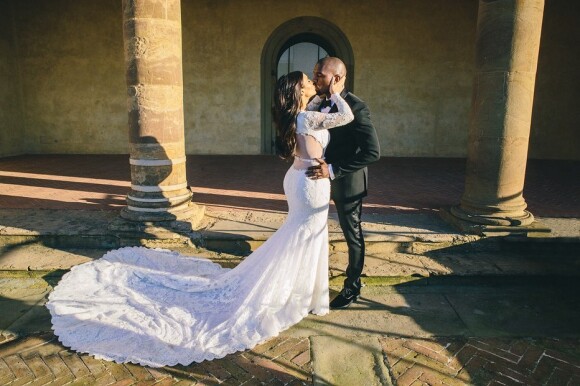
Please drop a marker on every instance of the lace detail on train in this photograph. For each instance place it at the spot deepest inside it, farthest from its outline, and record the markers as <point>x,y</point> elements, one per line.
<point>156,307</point>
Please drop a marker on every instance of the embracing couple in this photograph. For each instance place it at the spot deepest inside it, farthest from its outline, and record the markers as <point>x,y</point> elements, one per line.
<point>156,307</point>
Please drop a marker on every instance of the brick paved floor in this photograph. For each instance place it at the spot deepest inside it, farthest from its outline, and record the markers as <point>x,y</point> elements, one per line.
<point>41,360</point>
<point>100,182</point>
<point>486,361</point>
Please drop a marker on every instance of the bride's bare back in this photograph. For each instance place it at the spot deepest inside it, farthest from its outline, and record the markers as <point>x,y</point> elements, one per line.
<point>312,126</point>
<point>307,150</point>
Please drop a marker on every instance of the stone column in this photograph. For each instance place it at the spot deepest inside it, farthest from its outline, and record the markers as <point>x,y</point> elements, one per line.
<point>153,57</point>
<point>508,40</point>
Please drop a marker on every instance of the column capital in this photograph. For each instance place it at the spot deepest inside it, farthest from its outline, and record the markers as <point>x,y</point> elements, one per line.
<point>152,9</point>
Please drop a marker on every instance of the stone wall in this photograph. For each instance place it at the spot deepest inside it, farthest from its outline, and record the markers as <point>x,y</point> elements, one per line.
<point>413,69</point>
<point>12,135</point>
<point>415,75</point>
<point>555,130</point>
<point>71,58</point>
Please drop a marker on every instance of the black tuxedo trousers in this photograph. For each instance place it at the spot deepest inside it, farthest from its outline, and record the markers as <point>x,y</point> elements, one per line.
<point>351,148</point>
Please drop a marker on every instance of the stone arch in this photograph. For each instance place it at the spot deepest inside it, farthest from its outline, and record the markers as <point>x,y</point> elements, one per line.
<point>301,29</point>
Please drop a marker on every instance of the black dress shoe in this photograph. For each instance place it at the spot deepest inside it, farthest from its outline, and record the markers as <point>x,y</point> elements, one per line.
<point>344,298</point>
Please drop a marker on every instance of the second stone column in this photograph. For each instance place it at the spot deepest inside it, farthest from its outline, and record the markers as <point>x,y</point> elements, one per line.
<point>508,40</point>
<point>153,57</point>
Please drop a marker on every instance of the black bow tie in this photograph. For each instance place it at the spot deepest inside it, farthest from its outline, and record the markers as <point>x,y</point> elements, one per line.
<point>326,103</point>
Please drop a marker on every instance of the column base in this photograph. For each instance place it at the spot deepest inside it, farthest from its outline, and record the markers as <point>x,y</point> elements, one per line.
<point>191,212</point>
<point>519,217</point>
<point>490,226</point>
<point>134,230</point>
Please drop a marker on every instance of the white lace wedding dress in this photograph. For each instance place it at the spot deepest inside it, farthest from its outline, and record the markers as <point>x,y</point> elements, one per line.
<point>155,307</point>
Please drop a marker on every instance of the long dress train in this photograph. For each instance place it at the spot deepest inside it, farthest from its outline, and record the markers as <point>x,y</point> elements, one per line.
<point>156,307</point>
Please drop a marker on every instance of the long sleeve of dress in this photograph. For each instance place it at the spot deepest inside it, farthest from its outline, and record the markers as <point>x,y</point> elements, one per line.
<point>314,103</point>
<point>315,120</point>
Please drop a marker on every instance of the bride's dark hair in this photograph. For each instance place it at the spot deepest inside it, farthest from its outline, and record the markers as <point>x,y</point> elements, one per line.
<point>287,106</point>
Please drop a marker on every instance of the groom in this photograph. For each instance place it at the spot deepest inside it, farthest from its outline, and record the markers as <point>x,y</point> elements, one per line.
<point>352,147</point>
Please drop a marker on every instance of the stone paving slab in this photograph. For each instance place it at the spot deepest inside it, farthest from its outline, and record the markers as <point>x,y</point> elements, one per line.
<point>18,297</point>
<point>53,222</point>
<point>378,313</point>
<point>510,306</point>
<point>348,360</point>
<point>38,257</point>
<point>523,313</point>
<point>562,227</point>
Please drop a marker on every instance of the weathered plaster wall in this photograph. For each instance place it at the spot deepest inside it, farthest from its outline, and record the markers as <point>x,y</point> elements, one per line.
<point>71,58</point>
<point>555,130</point>
<point>222,46</point>
<point>11,125</point>
<point>413,65</point>
<point>415,74</point>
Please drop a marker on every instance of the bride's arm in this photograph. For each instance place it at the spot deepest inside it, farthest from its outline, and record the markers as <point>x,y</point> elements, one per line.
<point>323,121</point>
<point>314,103</point>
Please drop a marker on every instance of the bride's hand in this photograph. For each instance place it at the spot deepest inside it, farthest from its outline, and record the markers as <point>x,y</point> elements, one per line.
<point>337,87</point>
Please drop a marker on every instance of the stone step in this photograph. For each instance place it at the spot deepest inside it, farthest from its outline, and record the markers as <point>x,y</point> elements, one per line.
<point>397,245</point>
<point>242,242</point>
<point>233,231</point>
<point>382,266</point>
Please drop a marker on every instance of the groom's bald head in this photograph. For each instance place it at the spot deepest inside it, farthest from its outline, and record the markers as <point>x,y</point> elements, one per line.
<point>333,65</point>
<point>324,71</point>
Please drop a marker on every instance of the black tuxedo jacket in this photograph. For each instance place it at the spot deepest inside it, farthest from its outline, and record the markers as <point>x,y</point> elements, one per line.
<point>352,147</point>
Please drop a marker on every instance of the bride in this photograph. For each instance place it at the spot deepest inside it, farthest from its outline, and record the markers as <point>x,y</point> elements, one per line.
<point>155,307</point>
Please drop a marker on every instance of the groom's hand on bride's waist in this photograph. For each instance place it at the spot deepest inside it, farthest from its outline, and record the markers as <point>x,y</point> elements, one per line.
<point>318,171</point>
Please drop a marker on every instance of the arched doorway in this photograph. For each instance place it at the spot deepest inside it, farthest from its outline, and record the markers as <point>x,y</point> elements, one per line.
<point>299,57</point>
<point>307,33</point>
